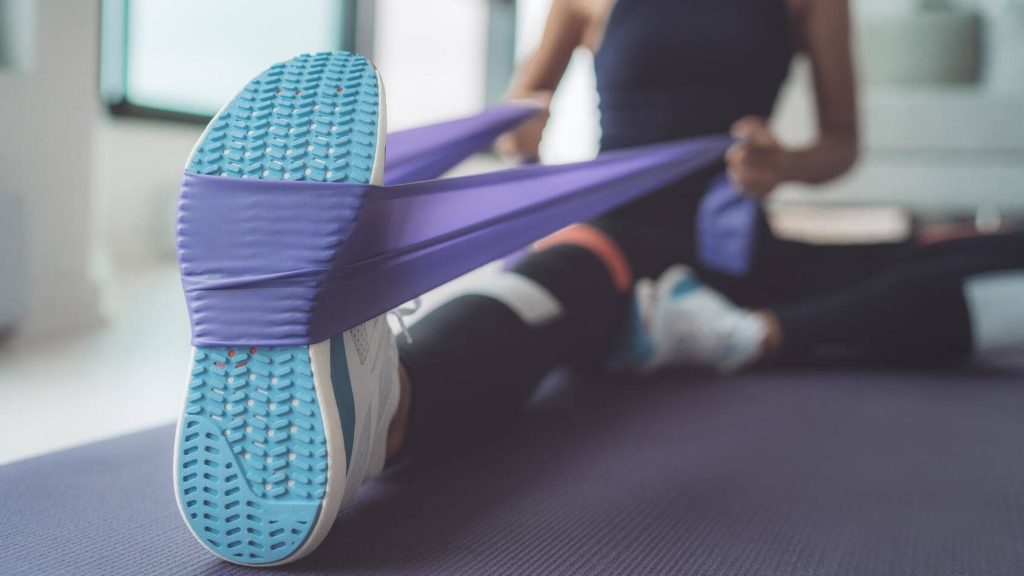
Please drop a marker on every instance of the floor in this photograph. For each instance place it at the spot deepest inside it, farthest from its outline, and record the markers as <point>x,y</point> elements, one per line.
<point>126,375</point>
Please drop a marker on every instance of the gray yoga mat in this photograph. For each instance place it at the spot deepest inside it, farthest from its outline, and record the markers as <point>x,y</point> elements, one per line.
<point>822,473</point>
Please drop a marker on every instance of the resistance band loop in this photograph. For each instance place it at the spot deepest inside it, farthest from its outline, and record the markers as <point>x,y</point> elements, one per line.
<point>282,263</point>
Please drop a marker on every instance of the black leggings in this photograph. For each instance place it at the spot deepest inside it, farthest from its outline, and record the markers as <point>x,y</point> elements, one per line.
<point>474,361</point>
<point>910,312</point>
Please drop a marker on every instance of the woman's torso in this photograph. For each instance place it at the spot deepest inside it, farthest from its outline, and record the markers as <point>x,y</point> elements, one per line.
<point>669,69</point>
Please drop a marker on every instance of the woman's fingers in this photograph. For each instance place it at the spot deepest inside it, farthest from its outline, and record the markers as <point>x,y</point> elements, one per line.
<point>754,162</point>
<point>742,154</point>
<point>752,170</point>
<point>523,142</point>
<point>753,183</point>
<point>754,131</point>
<point>744,128</point>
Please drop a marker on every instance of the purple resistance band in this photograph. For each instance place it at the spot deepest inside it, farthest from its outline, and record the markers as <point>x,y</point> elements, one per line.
<point>428,151</point>
<point>725,228</point>
<point>726,220</point>
<point>298,262</point>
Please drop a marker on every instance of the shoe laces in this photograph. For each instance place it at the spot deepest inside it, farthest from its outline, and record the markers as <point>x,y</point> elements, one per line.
<point>403,311</point>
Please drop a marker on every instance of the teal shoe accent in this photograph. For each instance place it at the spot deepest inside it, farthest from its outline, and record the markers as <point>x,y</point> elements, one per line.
<point>635,348</point>
<point>252,464</point>
<point>342,381</point>
<point>684,287</point>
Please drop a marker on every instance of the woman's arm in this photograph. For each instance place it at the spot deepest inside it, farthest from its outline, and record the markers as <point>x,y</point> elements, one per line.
<point>537,78</point>
<point>759,163</point>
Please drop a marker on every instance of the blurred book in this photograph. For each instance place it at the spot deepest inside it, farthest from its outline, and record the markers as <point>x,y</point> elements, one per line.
<point>841,224</point>
<point>985,220</point>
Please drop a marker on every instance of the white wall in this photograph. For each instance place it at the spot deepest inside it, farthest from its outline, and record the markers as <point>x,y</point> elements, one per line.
<point>432,56</point>
<point>139,170</point>
<point>572,133</point>
<point>933,149</point>
<point>49,109</point>
<point>1002,37</point>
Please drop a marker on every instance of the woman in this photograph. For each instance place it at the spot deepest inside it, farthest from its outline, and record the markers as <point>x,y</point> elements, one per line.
<point>669,70</point>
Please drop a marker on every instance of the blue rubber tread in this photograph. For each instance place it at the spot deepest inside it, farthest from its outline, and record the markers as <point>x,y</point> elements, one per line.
<point>311,118</point>
<point>252,461</point>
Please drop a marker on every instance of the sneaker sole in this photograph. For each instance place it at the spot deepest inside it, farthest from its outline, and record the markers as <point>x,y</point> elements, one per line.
<point>260,455</point>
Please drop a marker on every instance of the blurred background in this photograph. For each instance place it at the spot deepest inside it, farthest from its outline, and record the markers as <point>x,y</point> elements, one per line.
<point>101,102</point>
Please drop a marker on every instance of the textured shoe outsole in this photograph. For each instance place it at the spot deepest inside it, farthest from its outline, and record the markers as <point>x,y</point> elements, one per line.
<point>314,117</point>
<point>259,446</point>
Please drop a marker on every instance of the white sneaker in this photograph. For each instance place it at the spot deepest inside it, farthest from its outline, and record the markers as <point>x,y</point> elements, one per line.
<point>679,322</point>
<point>273,441</point>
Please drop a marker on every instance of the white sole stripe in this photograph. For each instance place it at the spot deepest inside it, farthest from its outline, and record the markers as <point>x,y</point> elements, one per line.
<point>994,307</point>
<point>533,303</point>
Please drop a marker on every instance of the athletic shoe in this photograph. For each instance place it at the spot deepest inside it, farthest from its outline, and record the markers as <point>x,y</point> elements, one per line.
<point>679,322</point>
<point>273,441</point>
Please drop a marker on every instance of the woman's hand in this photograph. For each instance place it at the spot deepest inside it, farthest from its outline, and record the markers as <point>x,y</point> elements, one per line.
<point>756,163</point>
<point>523,143</point>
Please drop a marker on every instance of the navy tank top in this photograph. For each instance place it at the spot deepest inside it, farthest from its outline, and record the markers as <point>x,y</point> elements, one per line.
<point>671,69</point>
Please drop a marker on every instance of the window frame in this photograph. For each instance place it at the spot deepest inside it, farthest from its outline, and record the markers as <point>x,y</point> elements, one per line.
<point>501,49</point>
<point>356,36</point>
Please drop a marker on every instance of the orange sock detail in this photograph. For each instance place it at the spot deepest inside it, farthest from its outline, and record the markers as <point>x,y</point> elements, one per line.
<point>600,245</point>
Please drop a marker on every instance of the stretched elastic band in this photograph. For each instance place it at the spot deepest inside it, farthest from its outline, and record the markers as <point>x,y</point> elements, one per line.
<point>601,245</point>
<point>282,263</point>
<point>428,151</point>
